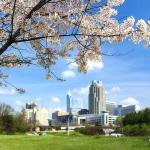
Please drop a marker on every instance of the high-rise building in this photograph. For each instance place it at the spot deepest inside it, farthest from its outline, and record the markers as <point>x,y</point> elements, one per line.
<point>111,107</point>
<point>124,110</point>
<point>97,99</point>
<point>69,99</point>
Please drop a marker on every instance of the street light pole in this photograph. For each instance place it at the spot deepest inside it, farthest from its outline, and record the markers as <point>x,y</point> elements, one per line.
<point>68,124</point>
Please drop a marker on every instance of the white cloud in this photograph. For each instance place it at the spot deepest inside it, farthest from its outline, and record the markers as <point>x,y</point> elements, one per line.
<point>7,92</point>
<point>116,89</point>
<point>55,100</point>
<point>138,107</point>
<point>19,103</point>
<point>95,65</point>
<point>72,65</point>
<point>53,109</point>
<point>91,65</point>
<point>68,74</point>
<point>84,90</point>
<point>131,101</point>
<point>80,97</point>
<point>81,91</point>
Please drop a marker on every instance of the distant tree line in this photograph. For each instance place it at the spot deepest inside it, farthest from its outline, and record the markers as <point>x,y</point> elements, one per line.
<point>140,117</point>
<point>135,123</point>
<point>12,122</point>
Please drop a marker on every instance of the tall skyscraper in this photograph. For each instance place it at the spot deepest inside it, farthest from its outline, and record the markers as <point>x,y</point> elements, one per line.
<point>97,99</point>
<point>69,99</point>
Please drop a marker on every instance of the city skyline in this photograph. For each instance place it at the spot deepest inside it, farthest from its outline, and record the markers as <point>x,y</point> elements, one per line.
<point>74,74</point>
<point>126,77</point>
<point>96,103</point>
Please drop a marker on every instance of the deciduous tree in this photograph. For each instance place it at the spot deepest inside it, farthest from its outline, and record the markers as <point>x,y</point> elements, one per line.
<point>41,31</point>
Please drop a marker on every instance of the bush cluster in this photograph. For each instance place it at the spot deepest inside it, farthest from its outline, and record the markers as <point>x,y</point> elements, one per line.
<point>91,130</point>
<point>10,124</point>
<point>141,117</point>
<point>135,130</point>
<point>136,123</point>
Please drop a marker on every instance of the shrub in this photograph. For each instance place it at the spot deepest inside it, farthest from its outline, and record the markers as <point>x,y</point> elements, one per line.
<point>91,130</point>
<point>135,130</point>
<point>7,124</point>
<point>57,127</point>
<point>10,124</point>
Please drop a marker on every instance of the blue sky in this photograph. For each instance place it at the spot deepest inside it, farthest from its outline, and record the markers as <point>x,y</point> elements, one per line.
<point>126,78</point>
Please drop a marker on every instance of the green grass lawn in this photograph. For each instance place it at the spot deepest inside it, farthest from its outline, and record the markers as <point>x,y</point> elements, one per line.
<point>73,142</point>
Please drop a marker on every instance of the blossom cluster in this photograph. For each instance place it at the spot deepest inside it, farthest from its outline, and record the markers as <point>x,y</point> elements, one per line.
<point>72,25</point>
<point>9,61</point>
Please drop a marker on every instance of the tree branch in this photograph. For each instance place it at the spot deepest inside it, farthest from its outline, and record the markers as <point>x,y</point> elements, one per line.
<point>12,38</point>
<point>12,18</point>
<point>67,35</point>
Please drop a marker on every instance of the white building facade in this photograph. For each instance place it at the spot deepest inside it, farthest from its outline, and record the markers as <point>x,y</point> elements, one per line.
<point>103,119</point>
<point>36,115</point>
